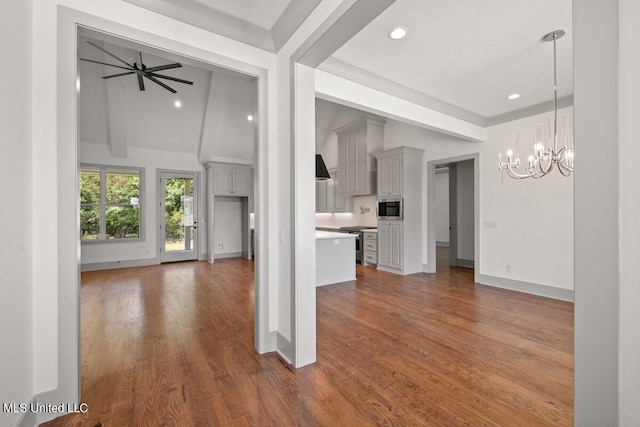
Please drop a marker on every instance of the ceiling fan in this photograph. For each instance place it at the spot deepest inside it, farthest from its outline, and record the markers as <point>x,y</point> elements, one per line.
<point>140,70</point>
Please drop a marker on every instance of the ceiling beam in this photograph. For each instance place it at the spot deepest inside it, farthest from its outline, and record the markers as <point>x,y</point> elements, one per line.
<point>344,23</point>
<point>342,91</point>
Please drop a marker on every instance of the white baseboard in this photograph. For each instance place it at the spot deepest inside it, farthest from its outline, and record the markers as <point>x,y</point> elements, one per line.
<point>109,265</point>
<point>469,263</point>
<point>228,255</point>
<point>527,287</point>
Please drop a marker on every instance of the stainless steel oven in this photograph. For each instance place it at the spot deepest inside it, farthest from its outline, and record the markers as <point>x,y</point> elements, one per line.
<point>390,208</point>
<point>357,230</point>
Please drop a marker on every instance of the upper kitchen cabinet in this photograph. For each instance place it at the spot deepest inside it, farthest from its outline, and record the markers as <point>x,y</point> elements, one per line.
<point>390,176</point>
<point>398,168</point>
<point>231,180</point>
<point>356,167</point>
<point>327,198</point>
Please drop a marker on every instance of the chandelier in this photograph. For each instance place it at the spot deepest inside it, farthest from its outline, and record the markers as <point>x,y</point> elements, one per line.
<point>552,145</point>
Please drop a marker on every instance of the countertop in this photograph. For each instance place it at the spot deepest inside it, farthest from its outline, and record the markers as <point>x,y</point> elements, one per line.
<point>334,235</point>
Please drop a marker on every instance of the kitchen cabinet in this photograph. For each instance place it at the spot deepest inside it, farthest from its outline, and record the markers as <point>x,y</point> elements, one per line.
<point>370,248</point>
<point>356,167</point>
<point>390,244</point>
<point>390,176</point>
<point>400,241</point>
<point>231,180</point>
<point>327,198</point>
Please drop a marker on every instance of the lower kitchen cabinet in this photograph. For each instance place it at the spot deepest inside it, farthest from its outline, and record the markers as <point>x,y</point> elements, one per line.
<point>370,248</point>
<point>390,244</point>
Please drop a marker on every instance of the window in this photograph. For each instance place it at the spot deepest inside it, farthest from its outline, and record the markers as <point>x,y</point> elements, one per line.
<point>110,203</point>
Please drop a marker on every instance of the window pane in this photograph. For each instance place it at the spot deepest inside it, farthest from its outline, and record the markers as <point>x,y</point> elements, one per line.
<point>123,188</point>
<point>123,222</point>
<point>89,186</point>
<point>89,222</point>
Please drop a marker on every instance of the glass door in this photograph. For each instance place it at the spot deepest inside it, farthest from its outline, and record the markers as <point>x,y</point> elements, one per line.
<point>178,217</point>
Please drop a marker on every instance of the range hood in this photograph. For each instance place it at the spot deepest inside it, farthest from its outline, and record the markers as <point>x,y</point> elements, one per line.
<point>322,174</point>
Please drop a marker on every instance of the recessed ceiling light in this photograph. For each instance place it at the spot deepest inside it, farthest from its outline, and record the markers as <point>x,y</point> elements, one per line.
<point>250,117</point>
<point>398,33</point>
<point>178,104</point>
<point>513,96</point>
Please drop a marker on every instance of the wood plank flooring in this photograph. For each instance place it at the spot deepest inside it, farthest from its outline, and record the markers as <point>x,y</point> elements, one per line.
<point>173,345</point>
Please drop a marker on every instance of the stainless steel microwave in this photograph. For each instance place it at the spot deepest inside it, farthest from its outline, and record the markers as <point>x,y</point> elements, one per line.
<point>390,209</point>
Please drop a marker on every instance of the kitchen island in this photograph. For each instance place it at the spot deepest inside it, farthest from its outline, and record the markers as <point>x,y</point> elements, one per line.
<point>335,257</point>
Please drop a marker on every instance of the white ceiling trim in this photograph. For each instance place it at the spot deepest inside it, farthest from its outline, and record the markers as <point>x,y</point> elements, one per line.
<point>211,20</point>
<point>356,74</point>
<point>374,81</point>
<point>219,22</point>
<point>346,92</point>
<point>532,110</point>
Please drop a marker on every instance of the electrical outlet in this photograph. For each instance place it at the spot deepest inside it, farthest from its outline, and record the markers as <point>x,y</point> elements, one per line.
<point>220,246</point>
<point>507,268</point>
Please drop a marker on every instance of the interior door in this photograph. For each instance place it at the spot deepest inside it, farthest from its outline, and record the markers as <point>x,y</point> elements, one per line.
<point>178,213</point>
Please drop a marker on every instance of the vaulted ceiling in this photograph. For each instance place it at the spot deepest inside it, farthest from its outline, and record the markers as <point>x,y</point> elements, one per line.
<point>211,121</point>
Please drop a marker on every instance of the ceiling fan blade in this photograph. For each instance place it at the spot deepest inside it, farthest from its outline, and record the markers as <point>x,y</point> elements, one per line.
<point>118,75</point>
<point>140,81</point>
<point>153,79</point>
<point>163,67</point>
<point>109,53</point>
<point>104,63</point>
<point>160,76</point>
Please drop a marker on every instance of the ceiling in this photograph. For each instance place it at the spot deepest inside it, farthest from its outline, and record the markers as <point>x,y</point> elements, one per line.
<point>266,24</point>
<point>467,53</point>
<point>262,13</point>
<point>460,57</point>
<point>211,122</point>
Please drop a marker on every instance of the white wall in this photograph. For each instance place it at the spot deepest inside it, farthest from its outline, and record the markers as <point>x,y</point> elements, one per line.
<point>523,209</point>
<point>16,211</point>
<point>150,160</point>
<point>442,207</point>
<point>597,202</point>
<point>629,92</point>
<point>227,227</point>
<point>465,210</point>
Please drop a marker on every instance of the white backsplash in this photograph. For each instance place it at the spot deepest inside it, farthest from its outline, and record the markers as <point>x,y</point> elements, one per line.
<point>364,213</point>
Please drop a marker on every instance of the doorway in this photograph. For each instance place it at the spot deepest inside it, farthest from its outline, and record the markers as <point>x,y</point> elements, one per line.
<point>177,216</point>
<point>453,212</point>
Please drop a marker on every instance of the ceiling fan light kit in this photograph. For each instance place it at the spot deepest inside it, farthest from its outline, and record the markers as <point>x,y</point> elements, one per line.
<point>140,70</point>
<point>543,159</point>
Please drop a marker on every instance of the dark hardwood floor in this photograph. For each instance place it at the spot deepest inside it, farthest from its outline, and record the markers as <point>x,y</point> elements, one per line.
<point>173,345</point>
